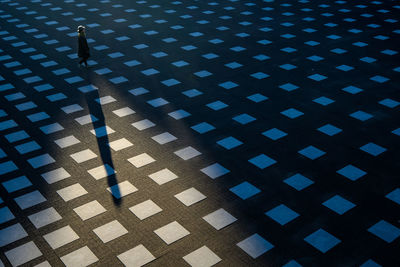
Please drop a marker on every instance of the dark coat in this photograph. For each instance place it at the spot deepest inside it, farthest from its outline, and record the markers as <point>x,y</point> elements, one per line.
<point>83,48</point>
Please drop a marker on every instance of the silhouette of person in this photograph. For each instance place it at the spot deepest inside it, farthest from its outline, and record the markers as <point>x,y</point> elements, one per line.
<point>83,48</point>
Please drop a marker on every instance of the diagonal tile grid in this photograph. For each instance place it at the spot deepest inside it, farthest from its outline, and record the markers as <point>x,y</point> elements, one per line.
<point>232,133</point>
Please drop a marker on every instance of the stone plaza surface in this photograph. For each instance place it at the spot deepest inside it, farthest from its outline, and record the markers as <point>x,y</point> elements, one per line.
<point>226,133</point>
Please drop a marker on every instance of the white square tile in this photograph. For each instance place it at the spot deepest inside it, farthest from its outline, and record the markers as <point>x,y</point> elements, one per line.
<point>164,138</point>
<point>80,257</point>
<point>11,234</point>
<point>171,232</point>
<point>187,153</point>
<point>215,170</point>
<point>145,209</point>
<point>61,237</point>
<point>163,176</point>
<point>23,254</point>
<point>89,210</point>
<point>143,124</point>
<point>255,245</point>
<point>110,231</point>
<point>30,199</point>
<point>72,108</point>
<point>122,189</point>
<point>83,155</point>
<point>219,219</point>
<point>137,256</point>
<point>102,131</point>
<point>43,264</point>
<point>70,192</point>
<point>190,196</point>
<point>86,119</point>
<point>105,100</point>
<point>44,217</point>
<point>67,141</point>
<point>122,112</point>
<point>141,160</point>
<point>202,257</point>
<point>101,171</point>
<point>55,175</point>
<point>120,144</point>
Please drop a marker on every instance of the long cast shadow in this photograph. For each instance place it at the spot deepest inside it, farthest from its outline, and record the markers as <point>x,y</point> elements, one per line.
<point>99,126</point>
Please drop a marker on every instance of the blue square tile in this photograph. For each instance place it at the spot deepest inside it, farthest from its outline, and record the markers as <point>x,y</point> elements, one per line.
<point>157,102</point>
<point>259,75</point>
<point>351,172</point>
<point>16,184</point>
<point>118,80</point>
<point>315,58</point>
<point>312,152</point>
<point>287,66</point>
<point>103,71</point>
<point>257,98</point>
<point>216,41</point>
<point>203,74</point>
<point>370,263</point>
<point>312,43</point>
<point>338,204</point>
<point>28,147</point>
<point>396,132</point>
<point>210,56</point>
<point>159,54</point>
<point>282,214</point>
<point>373,149</point>
<point>274,134</point>
<point>338,51</point>
<point>238,48</point>
<point>389,52</point>
<point>262,161</point>
<point>298,182</point>
<point>344,68</point>
<point>217,105</point>
<point>288,50</point>
<point>233,65</point>
<point>245,190</point>
<point>360,44</point>
<point>244,118</point>
<point>188,47</point>
<point>171,82</point>
<point>352,89</point>
<point>203,127</point>
<point>180,63</point>
<point>149,72</point>
<point>322,240</point>
<point>292,113</point>
<point>361,115</point>
<point>390,103</point>
<point>192,93</point>
<point>132,63</point>
<point>385,231</point>
<point>229,142</point>
<point>6,167</point>
<point>261,57</point>
<point>323,100</point>
<point>228,85</point>
<point>317,77</point>
<point>140,46</point>
<point>379,79</point>
<point>292,263</point>
<point>288,87</point>
<point>368,59</point>
<point>329,130</point>
<point>394,196</point>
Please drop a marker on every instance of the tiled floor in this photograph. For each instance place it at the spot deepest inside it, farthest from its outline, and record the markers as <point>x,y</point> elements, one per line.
<point>227,133</point>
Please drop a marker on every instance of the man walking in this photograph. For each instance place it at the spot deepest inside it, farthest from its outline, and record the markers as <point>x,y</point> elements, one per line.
<point>83,48</point>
